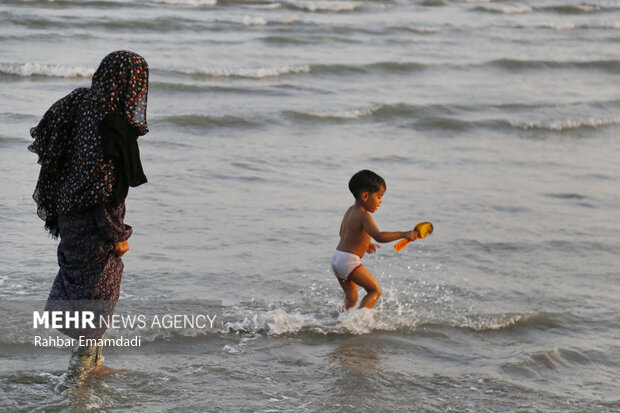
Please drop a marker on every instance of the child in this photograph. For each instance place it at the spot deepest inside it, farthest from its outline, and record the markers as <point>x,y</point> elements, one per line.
<point>355,232</point>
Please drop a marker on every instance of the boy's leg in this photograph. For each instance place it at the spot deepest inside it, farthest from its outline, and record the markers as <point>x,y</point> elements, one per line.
<point>350,292</point>
<point>365,279</point>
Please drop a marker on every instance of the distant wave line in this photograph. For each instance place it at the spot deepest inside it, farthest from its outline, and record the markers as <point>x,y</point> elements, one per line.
<point>255,73</point>
<point>198,3</point>
<point>570,26</point>
<point>307,6</point>
<point>323,6</point>
<point>446,115</point>
<point>572,124</point>
<point>611,65</point>
<point>118,3</point>
<point>577,9</point>
<point>209,88</point>
<point>317,6</point>
<point>423,117</point>
<point>561,125</point>
<point>218,24</point>
<point>532,364</point>
<point>82,3</point>
<point>263,72</point>
<point>38,69</point>
<point>55,70</point>
<point>159,24</point>
<point>583,9</point>
<point>208,121</point>
<point>517,9</point>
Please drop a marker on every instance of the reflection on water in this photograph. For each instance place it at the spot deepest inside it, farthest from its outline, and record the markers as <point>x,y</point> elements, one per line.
<point>355,358</point>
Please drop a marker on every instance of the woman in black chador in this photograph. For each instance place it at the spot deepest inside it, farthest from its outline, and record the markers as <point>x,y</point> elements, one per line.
<point>88,152</point>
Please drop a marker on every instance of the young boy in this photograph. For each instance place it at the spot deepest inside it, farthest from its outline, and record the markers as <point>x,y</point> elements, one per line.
<point>355,232</point>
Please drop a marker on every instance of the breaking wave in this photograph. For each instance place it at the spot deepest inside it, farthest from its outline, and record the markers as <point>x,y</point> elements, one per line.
<point>516,64</point>
<point>324,6</point>
<point>257,73</point>
<point>38,69</point>
<point>365,321</point>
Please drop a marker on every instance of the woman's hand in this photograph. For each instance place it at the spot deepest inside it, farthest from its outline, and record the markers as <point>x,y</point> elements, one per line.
<point>120,248</point>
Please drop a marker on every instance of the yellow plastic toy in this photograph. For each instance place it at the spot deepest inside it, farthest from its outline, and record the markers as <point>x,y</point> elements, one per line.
<point>423,228</point>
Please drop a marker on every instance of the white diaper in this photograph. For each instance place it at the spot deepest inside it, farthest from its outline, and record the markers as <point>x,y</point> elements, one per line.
<point>345,263</point>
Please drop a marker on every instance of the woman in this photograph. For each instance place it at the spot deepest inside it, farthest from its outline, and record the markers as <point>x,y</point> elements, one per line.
<point>88,151</point>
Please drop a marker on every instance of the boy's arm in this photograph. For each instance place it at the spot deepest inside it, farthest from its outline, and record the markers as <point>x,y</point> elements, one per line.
<point>384,236</point>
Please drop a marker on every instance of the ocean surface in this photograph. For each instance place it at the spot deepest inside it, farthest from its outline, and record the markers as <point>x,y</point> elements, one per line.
<point>498,121</point>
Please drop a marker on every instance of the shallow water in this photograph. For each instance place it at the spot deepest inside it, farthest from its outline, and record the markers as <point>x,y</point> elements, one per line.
<point>495,120</point>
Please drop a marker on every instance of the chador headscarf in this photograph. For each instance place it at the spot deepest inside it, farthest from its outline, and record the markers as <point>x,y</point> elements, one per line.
<point>86,141</point>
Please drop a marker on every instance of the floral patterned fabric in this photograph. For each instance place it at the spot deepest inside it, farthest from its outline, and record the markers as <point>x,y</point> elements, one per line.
<point>76,180</point>
<point>74,175</point>
<point>88,267</point>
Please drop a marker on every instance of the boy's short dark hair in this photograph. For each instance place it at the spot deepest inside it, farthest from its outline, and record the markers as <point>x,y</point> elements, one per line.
<point>365,180</point>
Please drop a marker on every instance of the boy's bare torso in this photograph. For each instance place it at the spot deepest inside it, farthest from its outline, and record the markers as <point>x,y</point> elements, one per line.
<point>353,236</point>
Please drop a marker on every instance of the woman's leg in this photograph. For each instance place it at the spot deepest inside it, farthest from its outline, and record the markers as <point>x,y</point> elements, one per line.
<point>80,363</point>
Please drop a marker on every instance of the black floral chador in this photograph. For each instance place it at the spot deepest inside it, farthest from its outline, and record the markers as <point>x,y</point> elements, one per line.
<point>88,152</point>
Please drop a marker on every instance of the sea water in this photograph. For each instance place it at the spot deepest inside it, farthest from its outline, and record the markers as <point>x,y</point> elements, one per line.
<point>497,121</point>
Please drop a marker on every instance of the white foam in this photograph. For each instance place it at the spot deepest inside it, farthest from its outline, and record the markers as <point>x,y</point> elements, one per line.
<point>250,323</point>
<point>283,323</point>
<point>231,349</point>
<point>574,26</point>
<point>290,20</point>
<point>495,322</point>
<point>355,321</point>
<point>348,114</point>
<point>254,21</point>
<point>199,3</point>
<point>519,9</point>
<point>38,69</point>
<point>271,6</point>
<point>335,6</point>
<point>361,321</point>
<point>258,73</point>
<point>588,9</point>
<point>564,27</point>
<point>569,124</point>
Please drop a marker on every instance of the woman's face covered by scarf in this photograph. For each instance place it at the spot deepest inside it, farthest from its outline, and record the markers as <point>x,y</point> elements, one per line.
<point>121,82</point>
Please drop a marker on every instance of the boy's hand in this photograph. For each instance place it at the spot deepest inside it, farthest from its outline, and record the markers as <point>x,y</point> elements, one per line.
<point>372,248</point>
<point>412,235</point>
<point>120,248</point>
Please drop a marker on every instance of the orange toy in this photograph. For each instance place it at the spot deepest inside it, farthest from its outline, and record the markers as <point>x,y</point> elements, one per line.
<point>423,228</point>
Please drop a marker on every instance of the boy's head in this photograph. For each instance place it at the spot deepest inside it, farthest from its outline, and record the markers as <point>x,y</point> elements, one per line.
<point>366,181</point>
